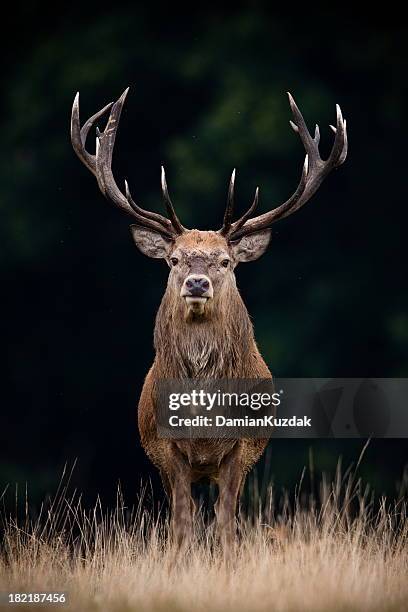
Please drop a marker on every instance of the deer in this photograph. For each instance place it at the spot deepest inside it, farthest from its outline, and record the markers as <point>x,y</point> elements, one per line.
<point>202,328</point>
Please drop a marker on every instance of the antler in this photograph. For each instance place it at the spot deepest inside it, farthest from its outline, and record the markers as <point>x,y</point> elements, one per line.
<point>100,165</point>
<point>314,172</point>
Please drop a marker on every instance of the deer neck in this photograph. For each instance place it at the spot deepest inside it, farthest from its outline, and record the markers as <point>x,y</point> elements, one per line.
<point>216,345</point>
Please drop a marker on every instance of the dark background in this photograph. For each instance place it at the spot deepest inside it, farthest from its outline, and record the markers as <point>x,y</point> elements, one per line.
<point>207,94</point>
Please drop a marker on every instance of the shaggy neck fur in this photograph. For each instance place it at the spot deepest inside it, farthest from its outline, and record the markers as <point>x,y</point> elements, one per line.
<point>218,344</point>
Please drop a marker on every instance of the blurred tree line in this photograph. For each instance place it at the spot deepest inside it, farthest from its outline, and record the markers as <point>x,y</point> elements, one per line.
<point>207,94</point>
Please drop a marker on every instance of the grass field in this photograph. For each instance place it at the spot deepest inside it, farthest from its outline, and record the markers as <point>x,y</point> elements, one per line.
<point>331,553</point>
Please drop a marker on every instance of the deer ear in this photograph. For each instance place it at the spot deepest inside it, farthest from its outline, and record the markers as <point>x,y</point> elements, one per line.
<point>252,246</point>
<point>151,243</point>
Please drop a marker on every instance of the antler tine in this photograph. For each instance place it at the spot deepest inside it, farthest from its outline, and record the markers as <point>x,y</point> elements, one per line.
<point>262,221</point>
<point>229,209</point>
<point>104,152</point>
<point>78,135</point>
<point>345,146</point>
<point>146,213</point>
<point>169,205</point>
<point>311,144</point>
<point>314,172</point>
<point>100,165</point>
<point>238,224</point>
<point>300,123</point>
<point>317,135</point>
<point>339,150</point>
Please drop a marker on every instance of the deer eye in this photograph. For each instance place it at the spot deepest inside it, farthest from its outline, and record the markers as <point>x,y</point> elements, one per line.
<point>174,261</point>
<point>225,263</point>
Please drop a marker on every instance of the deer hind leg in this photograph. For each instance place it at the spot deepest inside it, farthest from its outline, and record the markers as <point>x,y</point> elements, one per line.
<point>230,481</point>
<point>179,477</point>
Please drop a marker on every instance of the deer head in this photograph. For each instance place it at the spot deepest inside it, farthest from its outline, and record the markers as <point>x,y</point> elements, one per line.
<point>202,263</point>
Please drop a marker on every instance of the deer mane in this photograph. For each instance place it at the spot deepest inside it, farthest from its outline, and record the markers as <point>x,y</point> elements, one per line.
<point>215,346</point>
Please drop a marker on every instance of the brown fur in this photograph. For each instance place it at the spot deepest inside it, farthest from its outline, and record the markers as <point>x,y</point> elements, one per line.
<point>218,344</point>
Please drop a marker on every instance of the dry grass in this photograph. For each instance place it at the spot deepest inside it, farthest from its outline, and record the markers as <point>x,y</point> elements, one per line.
<point>337,554</point>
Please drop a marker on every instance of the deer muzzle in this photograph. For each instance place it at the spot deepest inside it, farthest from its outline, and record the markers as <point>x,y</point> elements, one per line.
<point>196,290</point>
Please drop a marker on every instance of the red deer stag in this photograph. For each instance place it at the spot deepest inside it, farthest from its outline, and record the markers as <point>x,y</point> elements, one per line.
<point>202,329</point>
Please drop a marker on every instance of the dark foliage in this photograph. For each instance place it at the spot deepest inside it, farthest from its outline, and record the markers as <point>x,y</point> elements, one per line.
<point>207,94</point>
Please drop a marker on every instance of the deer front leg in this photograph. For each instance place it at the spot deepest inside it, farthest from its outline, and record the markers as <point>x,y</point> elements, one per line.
<point>230,480</point>
<point>179,477</point>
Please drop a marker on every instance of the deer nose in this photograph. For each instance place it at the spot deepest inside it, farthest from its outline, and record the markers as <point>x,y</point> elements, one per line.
<point>197,285</point>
